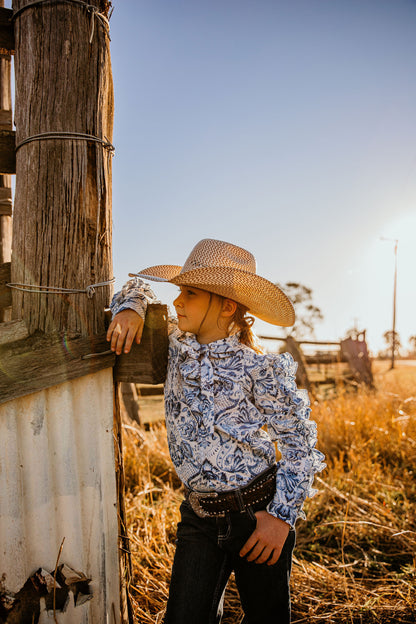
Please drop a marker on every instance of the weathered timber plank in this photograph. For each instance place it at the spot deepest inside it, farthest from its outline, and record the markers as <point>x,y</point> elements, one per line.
<point>12,331</point>
<point>6,210</point>
<point>147,362</point>
<point>319,342</point>
<point>6,31</point>
<point>5,194</point>
<point>5,291</point>
<point>301,342</point>
<point>5,200</point>
<point>130,400</point>
<point>41,361</point>
<point>6,120</point>
<point>325,358</point>
<point>44,360</point>
<point>7,151</point>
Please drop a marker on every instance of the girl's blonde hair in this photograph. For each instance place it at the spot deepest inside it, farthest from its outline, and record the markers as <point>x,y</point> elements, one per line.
<point>241,322</point>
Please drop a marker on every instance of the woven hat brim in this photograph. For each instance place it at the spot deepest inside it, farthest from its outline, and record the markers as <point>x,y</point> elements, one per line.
<point>262,298</point>
<point>159,273</point>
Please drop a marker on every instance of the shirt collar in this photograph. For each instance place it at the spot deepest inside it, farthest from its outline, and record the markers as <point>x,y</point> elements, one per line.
<point>190,347</point>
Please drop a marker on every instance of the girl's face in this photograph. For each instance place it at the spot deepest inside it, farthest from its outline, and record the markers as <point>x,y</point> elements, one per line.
<point>202,314</point>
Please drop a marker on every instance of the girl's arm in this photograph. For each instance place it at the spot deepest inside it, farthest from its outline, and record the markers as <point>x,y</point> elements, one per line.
<point>286,411</point>
<point>135,295</point>
<point>287,416</point>
<point>129,307</point>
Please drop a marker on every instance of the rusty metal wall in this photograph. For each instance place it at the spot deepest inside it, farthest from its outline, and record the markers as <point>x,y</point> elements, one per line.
<point>57,480</point>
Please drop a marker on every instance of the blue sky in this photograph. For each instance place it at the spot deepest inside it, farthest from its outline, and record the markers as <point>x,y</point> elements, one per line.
<point>284,127</point>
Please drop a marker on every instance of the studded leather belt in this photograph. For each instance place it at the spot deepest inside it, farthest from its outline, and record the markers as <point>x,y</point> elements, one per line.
<point>256,494</point>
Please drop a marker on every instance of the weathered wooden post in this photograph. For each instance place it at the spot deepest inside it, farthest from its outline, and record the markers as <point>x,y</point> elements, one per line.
<point>302,378</point>
<point>355,352</point>
<point>59,500</point>
<point>5,180</point>
<point>64,120</point>
<point>57,477</point>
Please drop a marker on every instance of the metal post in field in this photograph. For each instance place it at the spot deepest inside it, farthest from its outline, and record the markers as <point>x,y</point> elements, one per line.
<point>393,348</point>
<point>393,345</point>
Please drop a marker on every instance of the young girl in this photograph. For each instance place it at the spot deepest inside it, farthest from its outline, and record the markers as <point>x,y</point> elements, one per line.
<point>226,404</point>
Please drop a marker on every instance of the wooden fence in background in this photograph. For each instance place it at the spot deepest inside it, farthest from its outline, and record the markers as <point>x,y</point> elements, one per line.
<point>328,363</point>
<point>323,367</point>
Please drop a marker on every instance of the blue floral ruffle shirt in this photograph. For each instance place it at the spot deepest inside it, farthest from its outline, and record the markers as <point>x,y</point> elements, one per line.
<point>226,406</point>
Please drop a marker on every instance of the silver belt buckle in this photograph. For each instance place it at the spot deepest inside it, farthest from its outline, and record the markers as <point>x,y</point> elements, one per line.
<point>196,506</point>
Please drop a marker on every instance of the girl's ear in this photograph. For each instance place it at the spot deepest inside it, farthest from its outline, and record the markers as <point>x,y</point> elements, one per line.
<point>228,307</point>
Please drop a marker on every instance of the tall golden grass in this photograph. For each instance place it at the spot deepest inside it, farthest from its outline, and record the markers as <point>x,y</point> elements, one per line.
<point>355,555</point>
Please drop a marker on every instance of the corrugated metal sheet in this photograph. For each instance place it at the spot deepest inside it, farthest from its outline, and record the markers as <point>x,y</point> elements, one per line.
<point>57,480</point>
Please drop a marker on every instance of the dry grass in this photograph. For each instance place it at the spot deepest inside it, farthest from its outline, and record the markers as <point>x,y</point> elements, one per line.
<point>355,557</point>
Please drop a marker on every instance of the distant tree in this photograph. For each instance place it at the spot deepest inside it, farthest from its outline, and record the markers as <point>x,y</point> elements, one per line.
<point>383,354</point>
<point>388,339</point>
<point>412,342</point>
<point>307,313</point>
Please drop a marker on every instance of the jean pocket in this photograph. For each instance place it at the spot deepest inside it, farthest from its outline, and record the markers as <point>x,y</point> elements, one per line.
<point>252,515</point>
<point>224,528</point>
<point>240,527</point>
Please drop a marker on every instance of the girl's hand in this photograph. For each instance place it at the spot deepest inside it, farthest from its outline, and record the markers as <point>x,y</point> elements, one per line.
<point>267,540</point>
<point>124,328</point>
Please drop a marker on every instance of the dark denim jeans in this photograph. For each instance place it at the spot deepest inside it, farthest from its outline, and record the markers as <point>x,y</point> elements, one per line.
<point>206,554</point>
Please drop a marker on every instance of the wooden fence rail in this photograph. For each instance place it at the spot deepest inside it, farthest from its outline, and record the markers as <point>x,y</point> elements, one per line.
<point>351,352</point>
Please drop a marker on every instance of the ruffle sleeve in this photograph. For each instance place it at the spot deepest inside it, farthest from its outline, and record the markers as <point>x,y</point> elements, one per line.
<point>287,414</point>
<point>135,295</point>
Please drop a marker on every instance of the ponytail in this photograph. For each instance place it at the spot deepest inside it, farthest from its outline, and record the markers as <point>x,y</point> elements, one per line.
<point>242,323</point>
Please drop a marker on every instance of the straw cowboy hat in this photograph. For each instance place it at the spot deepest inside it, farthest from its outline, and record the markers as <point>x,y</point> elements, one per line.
<point>229,271</point>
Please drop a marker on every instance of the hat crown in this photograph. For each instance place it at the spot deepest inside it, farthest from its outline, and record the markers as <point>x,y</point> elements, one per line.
<point>214,253</point>
<point>228,271</point>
